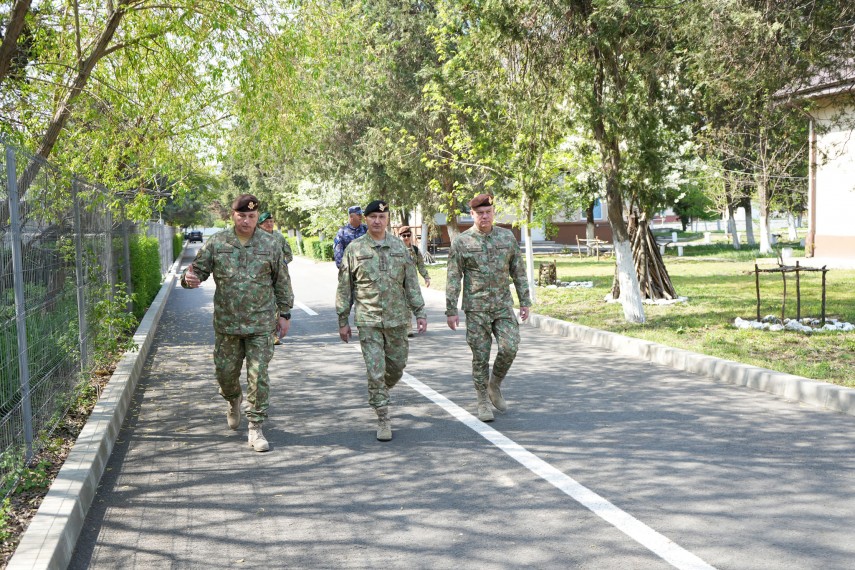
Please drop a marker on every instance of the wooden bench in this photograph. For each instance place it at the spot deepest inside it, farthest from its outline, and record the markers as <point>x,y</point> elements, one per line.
<point>592,247</point>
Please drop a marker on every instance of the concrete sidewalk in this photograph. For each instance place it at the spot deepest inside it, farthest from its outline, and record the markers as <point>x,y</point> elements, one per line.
<point>51,537</point>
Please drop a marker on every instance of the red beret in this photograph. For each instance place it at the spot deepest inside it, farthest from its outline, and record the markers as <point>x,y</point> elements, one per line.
<point>481,200</point>
<point>245,203</point>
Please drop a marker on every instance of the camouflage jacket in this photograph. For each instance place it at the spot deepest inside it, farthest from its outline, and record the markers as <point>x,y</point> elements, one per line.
<point>287,255</point>
<point>419,260</point>
<point>253,283</point>
<point>485,262</point>
<point>345,235</point>
<point>381,281</point>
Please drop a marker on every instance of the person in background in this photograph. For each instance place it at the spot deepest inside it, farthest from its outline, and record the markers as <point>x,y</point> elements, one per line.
<point>265,222</point>
<point>353,229</point>
<point>485,257</point>
<point>406,235</point>
<point>253,298</point>
<point>379,278</point>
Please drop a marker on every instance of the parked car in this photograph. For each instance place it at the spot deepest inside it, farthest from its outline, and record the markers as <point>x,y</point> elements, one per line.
<point>195,235</point>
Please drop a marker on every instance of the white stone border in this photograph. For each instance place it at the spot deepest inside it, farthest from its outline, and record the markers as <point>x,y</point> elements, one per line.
<point>788,386</point>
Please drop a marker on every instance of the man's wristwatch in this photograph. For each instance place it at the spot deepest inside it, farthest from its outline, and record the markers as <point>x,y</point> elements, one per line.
<point>286,316</point>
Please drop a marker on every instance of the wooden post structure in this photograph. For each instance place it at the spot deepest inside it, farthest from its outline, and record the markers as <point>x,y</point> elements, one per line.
<point>757,283</point>
<point>784,299</point>
<point>798,295</point>
<point>824,271</point>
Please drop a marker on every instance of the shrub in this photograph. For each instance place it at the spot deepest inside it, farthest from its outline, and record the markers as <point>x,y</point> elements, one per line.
<point>323,250</point>
<point>309,246</point>
<point>295,246</point>
<point>177,245</point>
<point>145,272</point>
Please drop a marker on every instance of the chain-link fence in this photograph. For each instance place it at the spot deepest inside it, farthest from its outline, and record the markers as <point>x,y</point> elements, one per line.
<point>64,259</point>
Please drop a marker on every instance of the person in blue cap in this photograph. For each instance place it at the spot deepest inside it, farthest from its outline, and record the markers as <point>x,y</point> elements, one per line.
<point>348,232</point>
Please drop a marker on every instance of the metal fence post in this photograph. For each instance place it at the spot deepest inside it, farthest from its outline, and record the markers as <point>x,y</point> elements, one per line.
<point>129,287</point>
<point>20,306</point>
<point>108,253</point>
<point>80,278</point>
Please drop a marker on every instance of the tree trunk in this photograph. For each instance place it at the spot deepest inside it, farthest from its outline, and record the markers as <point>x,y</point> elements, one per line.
<point>17,19</point>
<point>749,221</point>
<point>590,227</point>
<point>763,199</point>
<point>609,146</point>
<point>529,250</point>
<point>792,234</point>
<point>731,226</point>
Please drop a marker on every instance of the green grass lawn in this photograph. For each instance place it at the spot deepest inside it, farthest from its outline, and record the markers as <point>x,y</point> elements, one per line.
<point>720,287</point>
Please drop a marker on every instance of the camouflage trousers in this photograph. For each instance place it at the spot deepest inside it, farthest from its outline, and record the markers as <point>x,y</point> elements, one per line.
<point>229,353</point>
<point>481,326</point>
<point>385,352</point>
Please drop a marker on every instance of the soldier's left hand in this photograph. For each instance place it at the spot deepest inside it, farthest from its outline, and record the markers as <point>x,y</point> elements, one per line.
<point>427,283</point>
<point>524,313</point>
<point>421,325</point>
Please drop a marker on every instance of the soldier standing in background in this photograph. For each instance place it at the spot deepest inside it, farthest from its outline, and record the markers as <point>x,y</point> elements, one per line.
<point>253,286</point>
<point>378,276</point>
<point>406,236</point>
<point>347,233</point>
<point>485,257</point>
<point>265,222</point>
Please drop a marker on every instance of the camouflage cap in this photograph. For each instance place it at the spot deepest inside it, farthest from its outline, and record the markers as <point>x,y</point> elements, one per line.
<point>245,203</point>
<point>376,206</point>
<point>481,200</point>
<point>354,210</point>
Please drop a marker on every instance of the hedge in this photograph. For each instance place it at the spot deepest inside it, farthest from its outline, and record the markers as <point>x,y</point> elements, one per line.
<point>177,245</point>
<point>145,272</point>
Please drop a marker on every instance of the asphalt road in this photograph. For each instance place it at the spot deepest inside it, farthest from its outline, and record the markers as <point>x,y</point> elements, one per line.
<point>602,461</point>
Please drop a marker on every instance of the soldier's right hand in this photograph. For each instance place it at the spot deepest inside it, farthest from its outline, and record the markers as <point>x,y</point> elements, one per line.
<point>191,279</point>
<point>344,333</point>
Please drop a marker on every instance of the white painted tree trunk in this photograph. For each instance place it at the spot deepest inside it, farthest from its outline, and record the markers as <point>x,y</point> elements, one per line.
<point>765,242</point>
<point>630,292</point>
<point>792,234</point>
<point>423,244</point>
<point>529,261</point>
<point>590,230</point>
<point>731,227</point>
<point>749,226</point>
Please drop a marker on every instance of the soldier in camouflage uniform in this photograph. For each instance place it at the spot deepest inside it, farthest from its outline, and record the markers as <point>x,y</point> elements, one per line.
<point>485,256</point>
<point>379,277</point>
<point>265,222</point>
<point>406,236</point>
<point>347,233</point>
<point>253,285</point>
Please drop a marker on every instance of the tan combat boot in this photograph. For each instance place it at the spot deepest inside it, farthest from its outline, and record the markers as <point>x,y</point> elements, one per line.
<point>257,441</point>
<point>233,415</point>
<point>384,424</point>
<point>495,393</point>
<point>485,414</point>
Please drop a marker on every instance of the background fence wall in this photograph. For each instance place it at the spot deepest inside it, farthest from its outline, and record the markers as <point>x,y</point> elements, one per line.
<point>62,255</point>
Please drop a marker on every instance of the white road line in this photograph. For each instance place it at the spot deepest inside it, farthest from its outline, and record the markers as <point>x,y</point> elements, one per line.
<point>624,522</point>
<point>304,308</point>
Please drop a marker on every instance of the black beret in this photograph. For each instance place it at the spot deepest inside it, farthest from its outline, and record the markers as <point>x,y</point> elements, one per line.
<point>245,203</point>
<point>376,206</point>
<point>481,200</point>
